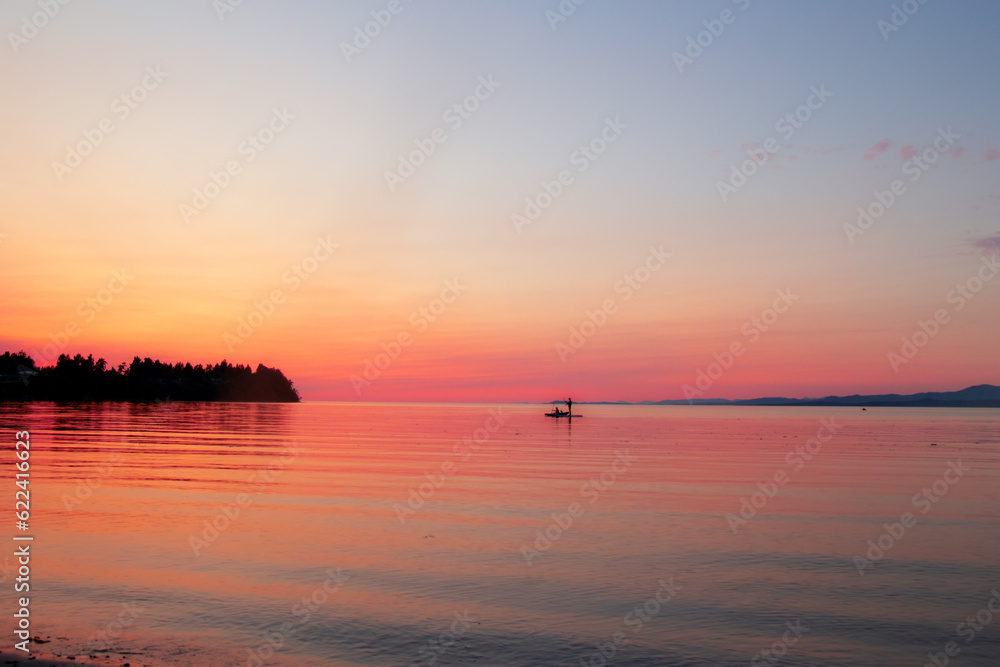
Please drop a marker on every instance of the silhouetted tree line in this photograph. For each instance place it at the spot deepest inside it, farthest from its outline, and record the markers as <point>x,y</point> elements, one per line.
<point>84,379</point>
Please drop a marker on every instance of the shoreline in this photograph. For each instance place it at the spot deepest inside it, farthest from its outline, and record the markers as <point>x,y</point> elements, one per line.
<point>37,659</point>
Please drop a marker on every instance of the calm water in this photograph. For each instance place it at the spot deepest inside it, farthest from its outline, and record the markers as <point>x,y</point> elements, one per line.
<point>334,557</point>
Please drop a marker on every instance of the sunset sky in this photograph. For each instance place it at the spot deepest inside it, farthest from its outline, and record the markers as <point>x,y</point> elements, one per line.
<point>309,118</point>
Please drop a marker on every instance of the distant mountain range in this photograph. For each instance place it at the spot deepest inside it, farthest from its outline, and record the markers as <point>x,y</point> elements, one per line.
<point>980,396</point>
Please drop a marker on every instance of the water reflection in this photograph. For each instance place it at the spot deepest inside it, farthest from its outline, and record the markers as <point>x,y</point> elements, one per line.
<point>215,521</point>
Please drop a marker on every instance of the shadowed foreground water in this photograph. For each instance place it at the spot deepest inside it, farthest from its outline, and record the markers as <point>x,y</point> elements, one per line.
<point>336,534</point>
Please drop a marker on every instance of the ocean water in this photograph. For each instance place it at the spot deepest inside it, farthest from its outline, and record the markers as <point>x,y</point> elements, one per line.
<point>347,535</point>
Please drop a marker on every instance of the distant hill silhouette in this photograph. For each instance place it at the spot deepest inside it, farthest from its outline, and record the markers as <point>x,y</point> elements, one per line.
<point>144,380</point>
<point>979,396</point>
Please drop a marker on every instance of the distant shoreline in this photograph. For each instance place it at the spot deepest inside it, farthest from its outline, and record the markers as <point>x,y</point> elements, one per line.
<point>818,404</point>
<point>978,396</point>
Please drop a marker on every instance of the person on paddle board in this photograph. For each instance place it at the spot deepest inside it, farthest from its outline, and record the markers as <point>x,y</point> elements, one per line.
<point>569,404</point>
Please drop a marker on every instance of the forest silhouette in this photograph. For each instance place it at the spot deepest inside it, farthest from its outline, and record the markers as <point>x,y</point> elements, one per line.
<point>83,379</point>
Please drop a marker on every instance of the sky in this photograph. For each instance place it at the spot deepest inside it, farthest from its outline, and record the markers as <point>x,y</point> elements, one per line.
<point>422,200</point>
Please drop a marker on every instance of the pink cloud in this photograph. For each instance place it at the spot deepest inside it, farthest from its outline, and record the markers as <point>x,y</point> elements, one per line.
<point>957,152</point>
<point>715,152</point>
<point>991,154</point>
<point>877,149</point>
<point>906,152</point>
<point>988,243</point>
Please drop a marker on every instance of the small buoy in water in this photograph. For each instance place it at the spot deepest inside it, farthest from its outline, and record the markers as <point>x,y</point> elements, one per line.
<point>933,444</point>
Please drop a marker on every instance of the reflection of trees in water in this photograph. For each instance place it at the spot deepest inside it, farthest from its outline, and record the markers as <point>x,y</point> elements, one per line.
<point>144,380</point>
<point>268,419</point>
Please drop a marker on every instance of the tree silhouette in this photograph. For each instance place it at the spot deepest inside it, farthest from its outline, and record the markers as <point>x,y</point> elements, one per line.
<point>144,380</point>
